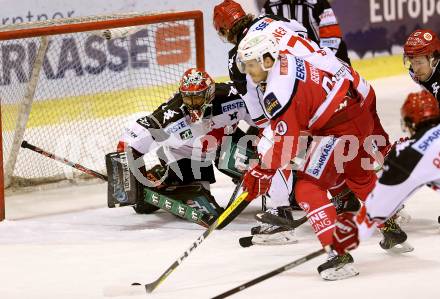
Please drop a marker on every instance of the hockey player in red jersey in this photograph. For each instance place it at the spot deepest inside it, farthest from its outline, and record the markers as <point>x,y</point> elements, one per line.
<point>233,24</point>
<point>298,97</point>
<point>422,57</point>
<point>409,165</point>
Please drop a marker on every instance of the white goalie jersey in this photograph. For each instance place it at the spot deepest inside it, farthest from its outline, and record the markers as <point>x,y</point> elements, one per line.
<point>169,127</point>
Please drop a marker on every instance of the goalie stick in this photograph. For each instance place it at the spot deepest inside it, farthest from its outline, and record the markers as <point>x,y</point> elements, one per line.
<point>156,199</point>
<point>138,288</point>
<point>270,274</point>
<point>40,151</point>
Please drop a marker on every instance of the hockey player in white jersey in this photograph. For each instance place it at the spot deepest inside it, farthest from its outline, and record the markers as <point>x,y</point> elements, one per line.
<point>182,137</point>
<point>410,165</point>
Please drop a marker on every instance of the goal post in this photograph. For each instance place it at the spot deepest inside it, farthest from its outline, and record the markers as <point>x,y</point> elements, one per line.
<point>70,85</point>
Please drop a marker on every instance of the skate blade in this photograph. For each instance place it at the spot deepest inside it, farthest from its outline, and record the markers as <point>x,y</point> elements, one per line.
<point>283,238</point>
<point>400,248</point>
<point>338,274</point>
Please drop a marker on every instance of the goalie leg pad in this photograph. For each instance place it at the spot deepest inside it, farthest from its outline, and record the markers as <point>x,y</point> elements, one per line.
<point>177,208</point>
<point>123,188</point>
<point>195,196</point>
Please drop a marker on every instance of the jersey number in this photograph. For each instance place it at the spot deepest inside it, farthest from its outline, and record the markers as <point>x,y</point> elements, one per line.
<point>327,84</point>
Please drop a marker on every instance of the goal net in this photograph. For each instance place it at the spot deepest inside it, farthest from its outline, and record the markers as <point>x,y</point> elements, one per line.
<point>69,86</point>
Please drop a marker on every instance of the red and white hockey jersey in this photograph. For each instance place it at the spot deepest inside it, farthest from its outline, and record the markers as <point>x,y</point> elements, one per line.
<point>290,42</point>
<point>301,97</point>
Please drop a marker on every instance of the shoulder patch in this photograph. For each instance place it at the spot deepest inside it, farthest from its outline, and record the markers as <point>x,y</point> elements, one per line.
<point>168,114</point>
<point>271,104</point>
<point>281,128</point>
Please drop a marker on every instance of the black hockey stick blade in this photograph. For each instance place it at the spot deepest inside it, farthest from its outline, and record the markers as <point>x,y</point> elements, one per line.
<point>270,274</point>
<point>280,221</point>
<point>246,241</point>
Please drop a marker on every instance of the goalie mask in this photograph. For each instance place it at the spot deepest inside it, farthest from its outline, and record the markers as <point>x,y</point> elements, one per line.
<point>197,89</point>
<point>419,107</point>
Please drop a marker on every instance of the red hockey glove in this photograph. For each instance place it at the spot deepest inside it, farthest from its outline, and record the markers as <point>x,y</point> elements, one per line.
<point>257,181</point>
<point>346,234</point>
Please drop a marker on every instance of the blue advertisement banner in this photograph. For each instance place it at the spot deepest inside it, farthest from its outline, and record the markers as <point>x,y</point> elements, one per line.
<point>378,25</point>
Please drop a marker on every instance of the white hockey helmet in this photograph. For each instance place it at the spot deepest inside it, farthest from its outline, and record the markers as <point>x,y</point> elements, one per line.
<point>255,45</point>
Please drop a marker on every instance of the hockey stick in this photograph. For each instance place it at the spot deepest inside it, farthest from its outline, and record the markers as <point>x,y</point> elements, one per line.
<point>234,194</point>
<point>40,151</point>
<point>154,198</point>
<point>270,274</point>
<point>137,288</point>
<point>151,286</point>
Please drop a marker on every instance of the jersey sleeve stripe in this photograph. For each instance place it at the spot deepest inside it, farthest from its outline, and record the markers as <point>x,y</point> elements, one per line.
<point>330,31</point>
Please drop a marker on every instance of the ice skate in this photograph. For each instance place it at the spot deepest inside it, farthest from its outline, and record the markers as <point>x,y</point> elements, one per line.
<point>394,238</point>
<point>338,267</point>
<point>270,234</point>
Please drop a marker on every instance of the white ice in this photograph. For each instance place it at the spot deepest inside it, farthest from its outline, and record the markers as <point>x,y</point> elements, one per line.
<point>65,243</point>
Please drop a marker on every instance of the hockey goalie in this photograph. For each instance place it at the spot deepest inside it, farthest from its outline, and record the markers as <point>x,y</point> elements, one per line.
<point>172,150</point>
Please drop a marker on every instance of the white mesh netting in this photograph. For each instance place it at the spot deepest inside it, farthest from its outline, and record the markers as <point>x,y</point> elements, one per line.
<point>87,89</point>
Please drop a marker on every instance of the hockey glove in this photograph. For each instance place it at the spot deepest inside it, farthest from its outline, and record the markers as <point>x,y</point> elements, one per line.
<point>257,181</point>
<point>346,234</point>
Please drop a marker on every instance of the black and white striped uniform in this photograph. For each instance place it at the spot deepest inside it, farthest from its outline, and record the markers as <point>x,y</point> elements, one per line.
<point>317,17</point>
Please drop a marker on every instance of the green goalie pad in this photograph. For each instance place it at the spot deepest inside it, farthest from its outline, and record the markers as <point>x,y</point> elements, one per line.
<point>191,202</point>
<point>178,208</point>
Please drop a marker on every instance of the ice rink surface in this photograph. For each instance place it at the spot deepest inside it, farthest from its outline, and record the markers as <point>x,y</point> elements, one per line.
<point>66,244</point>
